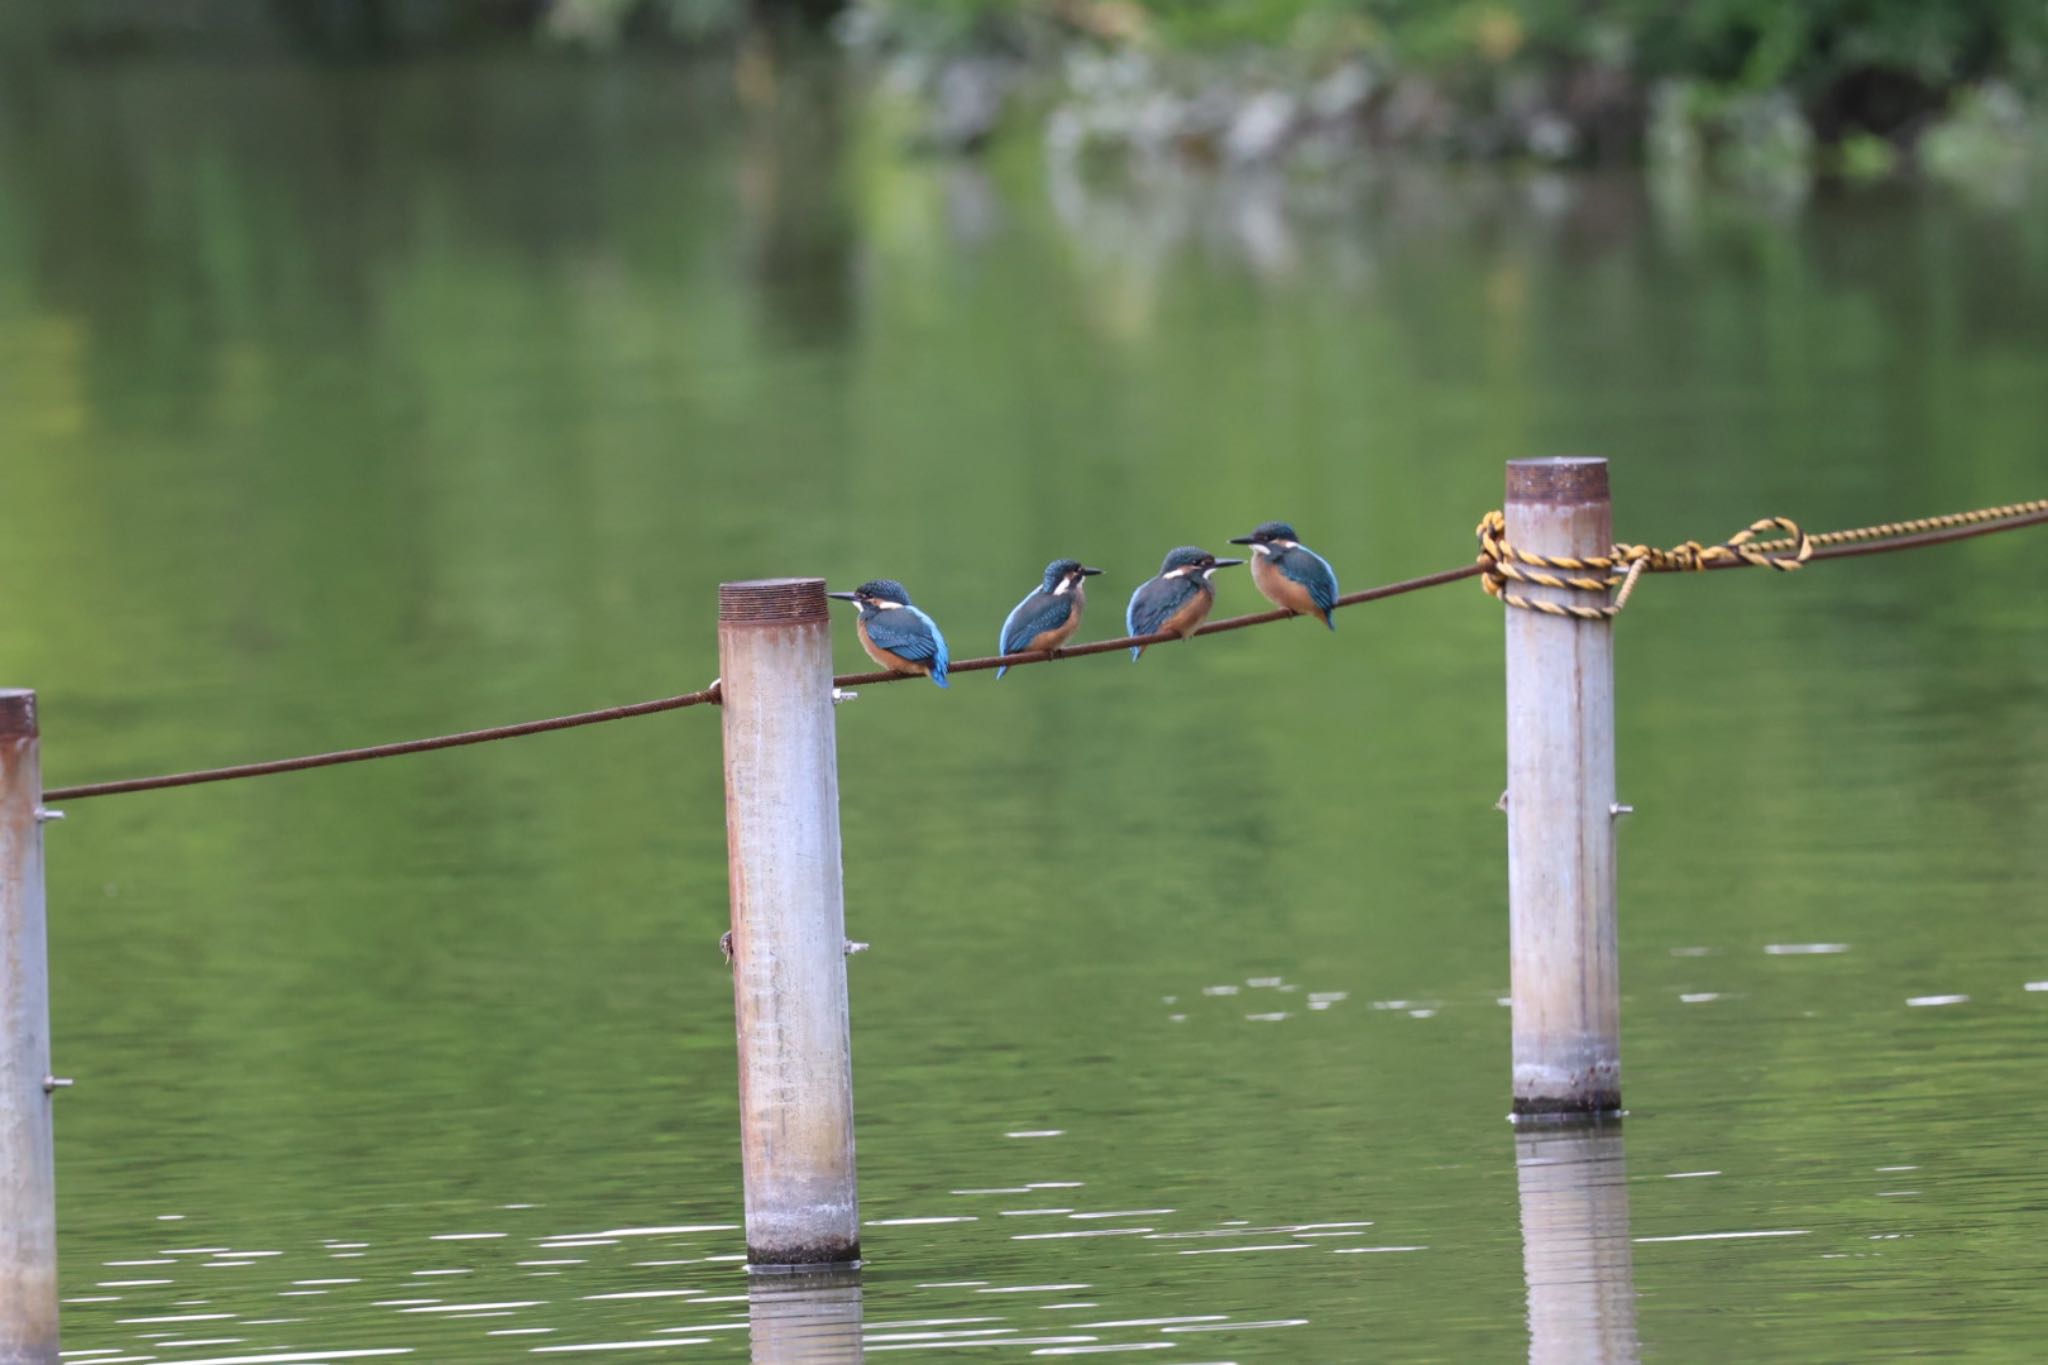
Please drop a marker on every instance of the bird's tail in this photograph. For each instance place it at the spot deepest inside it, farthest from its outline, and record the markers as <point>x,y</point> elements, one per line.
<point>999,672</point>
<point>1136,650</point>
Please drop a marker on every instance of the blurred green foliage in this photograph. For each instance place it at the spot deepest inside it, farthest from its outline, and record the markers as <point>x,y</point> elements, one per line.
<point>1754,43</point>
<point>1883,56</point>
<point>1883,67</point>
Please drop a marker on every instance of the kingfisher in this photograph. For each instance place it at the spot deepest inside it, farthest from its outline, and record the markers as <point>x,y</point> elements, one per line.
<point>895,634</point>
<point>1049,614</point>
<point>1289,573</point>
<point>1178,599</point>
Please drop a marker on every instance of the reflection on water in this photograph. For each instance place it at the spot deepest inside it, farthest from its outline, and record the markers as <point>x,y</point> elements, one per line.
<point>1573,1184</point>
<point>800,1318</point>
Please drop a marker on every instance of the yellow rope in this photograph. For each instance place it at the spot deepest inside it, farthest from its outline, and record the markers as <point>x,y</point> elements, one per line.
<point>1890,529</point>
<point>1623,565</point>
<point>1618,570</point>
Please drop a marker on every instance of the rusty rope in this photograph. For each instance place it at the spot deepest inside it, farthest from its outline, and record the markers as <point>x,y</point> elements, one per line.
<point>707,695</point>
<point>405,746</point>
<point>1498,562</point>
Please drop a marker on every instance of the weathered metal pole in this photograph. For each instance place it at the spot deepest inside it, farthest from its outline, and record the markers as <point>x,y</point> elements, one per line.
<point>28,1180</point>
<point>788,923</point>
<point>1561,808</point>
<point>1576,1257</point>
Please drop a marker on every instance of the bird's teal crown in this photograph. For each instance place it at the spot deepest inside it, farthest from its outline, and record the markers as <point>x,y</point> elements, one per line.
<point>1274,530</point>
<point>1187,557</point>
<point>1060,568</point>
<point>885,589</point>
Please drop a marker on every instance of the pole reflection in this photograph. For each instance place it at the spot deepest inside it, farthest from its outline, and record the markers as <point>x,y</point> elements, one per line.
<point>1575,1246</point>
<point>804,1318</point>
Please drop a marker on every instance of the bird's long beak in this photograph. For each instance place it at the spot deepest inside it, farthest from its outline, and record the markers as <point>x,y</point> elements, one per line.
<point>1089,573</point>
<point>844,596</point>
<point>1241,540</point>
<point>1226,563</point>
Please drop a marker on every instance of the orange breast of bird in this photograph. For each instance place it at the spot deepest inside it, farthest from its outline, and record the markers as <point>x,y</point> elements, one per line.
<point>1281,590</point>
<point>894,662</point>
<point>1185,621</point>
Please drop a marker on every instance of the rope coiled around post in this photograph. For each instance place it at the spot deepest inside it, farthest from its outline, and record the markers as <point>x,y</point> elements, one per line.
<point>1619,569</point>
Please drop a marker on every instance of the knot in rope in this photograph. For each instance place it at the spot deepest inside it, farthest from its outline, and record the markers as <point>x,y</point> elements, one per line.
<point>1618,570</point>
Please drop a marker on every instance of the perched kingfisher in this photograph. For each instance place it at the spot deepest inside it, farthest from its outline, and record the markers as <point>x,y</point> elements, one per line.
<point>1178,599</point>
<point>1291,574</point>
<point>895,634</point>
<point>1049,614</point>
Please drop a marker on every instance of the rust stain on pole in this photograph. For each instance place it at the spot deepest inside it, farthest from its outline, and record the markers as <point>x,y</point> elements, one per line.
<point>28,1191</point>
<point>1561,795</point>
<point>788,923</point>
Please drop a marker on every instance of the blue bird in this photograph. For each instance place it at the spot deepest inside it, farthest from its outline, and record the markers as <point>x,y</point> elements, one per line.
<point>1178,599</point>
<point>1289,573</point>
<point>895,634</point>
<point>1049,614</point>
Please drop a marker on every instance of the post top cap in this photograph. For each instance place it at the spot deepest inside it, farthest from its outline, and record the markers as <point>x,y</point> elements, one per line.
<point>17,713</point>
<point>1558,479</point>
<point>773,601</point>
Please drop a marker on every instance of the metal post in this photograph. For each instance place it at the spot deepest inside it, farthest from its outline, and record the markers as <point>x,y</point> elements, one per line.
<point>28,1181</point>
<point>1576,1256</point>
<point>1561,808</point>
<point>788,923</point>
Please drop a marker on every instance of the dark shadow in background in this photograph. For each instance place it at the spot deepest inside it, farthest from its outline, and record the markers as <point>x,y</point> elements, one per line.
<point>800,232</point>
<point>805,1318</point>
<point>1575,1247</point>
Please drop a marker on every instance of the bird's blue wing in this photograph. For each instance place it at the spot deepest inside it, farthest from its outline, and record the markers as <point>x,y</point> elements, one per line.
<point>1032,617</point>
<point>1313,572</point>
<point>908,633</point>
<point>940,659</point>
<point>1039,611</point>
<point>1155,600</point>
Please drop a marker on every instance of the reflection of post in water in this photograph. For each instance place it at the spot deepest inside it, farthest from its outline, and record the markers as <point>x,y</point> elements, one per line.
<point>799,233</point>
<point>804,1317</point>
<point>1575,1246</point>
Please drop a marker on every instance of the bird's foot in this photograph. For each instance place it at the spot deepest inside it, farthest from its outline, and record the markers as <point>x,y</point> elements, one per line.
<point>725,947</point>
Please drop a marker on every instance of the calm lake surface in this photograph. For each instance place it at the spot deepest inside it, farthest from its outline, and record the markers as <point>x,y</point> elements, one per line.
<point>352,406</point>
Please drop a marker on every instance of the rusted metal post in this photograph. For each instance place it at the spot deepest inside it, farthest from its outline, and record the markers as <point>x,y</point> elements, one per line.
<point>1576,1257</point>
<point>805,1319</point>
<point>28,1180</point>
<point>1561,808</point>
<point>788,923</point>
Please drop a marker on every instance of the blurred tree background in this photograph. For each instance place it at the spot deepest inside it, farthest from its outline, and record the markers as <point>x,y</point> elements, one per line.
<point>1852,85</point>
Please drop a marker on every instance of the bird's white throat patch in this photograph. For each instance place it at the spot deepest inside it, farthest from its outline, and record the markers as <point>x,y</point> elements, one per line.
<point>1061,590</point>
<point>882,604</point>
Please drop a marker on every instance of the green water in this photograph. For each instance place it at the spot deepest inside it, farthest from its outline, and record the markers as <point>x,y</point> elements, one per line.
<point>350,406</point>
